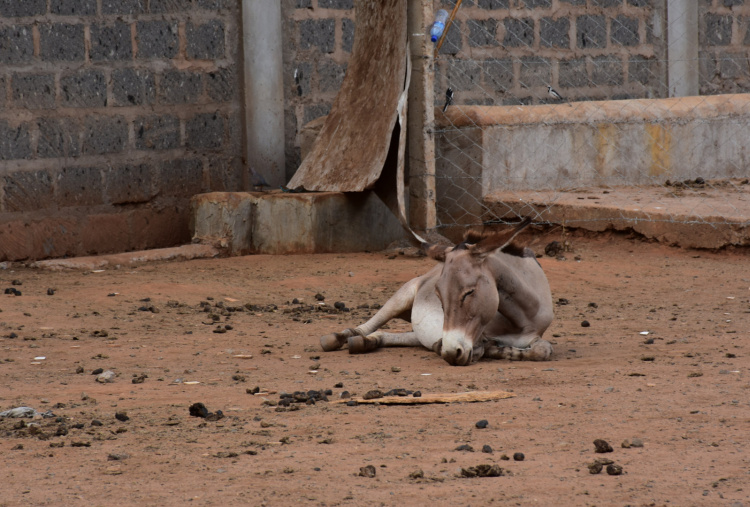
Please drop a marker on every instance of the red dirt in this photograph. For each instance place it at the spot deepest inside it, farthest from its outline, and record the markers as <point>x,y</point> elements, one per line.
<point>685,395</point>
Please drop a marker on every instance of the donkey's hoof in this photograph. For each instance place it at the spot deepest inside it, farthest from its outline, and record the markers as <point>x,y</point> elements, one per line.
<point>357,344</point>
<point>361,344</point>
<point>331,342</point>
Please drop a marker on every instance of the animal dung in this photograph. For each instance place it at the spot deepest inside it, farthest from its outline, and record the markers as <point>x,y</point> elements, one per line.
<point>471,396</point>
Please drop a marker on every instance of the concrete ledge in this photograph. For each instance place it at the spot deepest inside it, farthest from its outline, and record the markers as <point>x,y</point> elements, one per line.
<point>185,252</point>
<point>712,216</point>
<point>281,223</point>
<point>557,147</point>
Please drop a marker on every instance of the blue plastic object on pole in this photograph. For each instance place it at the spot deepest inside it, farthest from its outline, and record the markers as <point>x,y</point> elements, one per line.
<point>441,18</point>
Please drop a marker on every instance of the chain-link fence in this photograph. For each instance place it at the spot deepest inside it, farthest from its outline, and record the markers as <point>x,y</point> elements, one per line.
<point>608,142</point>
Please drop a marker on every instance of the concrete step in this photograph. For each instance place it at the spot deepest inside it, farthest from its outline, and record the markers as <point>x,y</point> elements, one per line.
<point>275,222</point>
<point>711,215</point>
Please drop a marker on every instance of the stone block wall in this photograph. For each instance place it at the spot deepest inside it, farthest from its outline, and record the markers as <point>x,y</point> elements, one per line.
<point>724,46</point>
<point>113,113</point>
<point>502,52</point>
<point>318,36</point>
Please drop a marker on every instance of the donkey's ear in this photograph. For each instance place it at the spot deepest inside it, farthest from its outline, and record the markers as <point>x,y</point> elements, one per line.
<point>436,252</point>
<point>500,240</point>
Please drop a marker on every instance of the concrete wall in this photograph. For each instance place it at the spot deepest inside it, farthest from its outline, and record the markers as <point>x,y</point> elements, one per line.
<point>593,144</point>
<point>113,113</point>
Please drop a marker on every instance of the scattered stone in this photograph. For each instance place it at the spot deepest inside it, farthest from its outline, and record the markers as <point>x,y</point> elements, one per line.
<point>215,416</point>
<point>80,444</point>
<point>595,468</point>
<point>339,305</point>
<point>113,456</point>
<point>417,474</point>
<point>79,369</point>
<point>481,424</point>
<point>518,456</point>
<point>373,394</point>
<point>368,471</point>
<point>465,447</point>
<point>198,410</point>
<point>96,422</point>
<point>140,379</point>
<point>602,446</point>
<point>562,302</point>
<point>486,449</point>
<point>395,369</point>
<point>50,292</point>
<point>417,394</point>
<point>345,395</point>
<point>553,249</point>
<point>225,454</point>
<point>339,385</point>
<point>122,416</point>
<point>614,469</point>
<point>482,471</point>
<point>636,442</point>
<point>97,371</point>
<point>106,377</point>
<point>585,323</point>
<point>320,297</point>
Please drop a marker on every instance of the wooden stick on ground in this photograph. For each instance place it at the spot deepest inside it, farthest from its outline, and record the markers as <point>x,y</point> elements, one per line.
<point>472,396</point>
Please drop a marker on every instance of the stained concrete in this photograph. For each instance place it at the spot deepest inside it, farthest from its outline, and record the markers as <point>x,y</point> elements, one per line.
<point>275,222</point>
<point>713,215</point>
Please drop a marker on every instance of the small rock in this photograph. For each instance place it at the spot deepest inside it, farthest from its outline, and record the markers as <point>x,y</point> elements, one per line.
<point>140,379</point>
<point>320,297</point>
<point>96,422</point>
<point>339,305</point>
<point>614,469</point>
<point>417,474</point>
<point>595,468</point>
<point>465,447</point>
<point>486,449</point>
<point>482,471</point>
<point>395,369</point>
<point>368,471</point>
<point>374,394</point>
<point>417,394</point>
<point>198,410</point>
<point>50,292</point>
<point>117,456</point>
<point>122,416</point>
<point>636,442</point>
<point>553,248</point>
<point>97,371</point>
<point>602,446</point>
<point>79,369</point>
<point>481,424</point>
<point>106,377</point>
<point>585,323</point>
<point>518,456</point>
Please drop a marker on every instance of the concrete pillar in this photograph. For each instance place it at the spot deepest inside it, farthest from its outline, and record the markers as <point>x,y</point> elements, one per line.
<point>682,47</point>
<point>421,118</point>
<point>263,88</point>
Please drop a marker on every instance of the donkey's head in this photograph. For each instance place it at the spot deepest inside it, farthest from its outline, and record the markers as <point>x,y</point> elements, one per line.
<point>468,292</point>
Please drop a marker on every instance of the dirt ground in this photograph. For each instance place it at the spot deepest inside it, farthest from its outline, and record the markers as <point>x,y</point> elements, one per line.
<point>682,390</point>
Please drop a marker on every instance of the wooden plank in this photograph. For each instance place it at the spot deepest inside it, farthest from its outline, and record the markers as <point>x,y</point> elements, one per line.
<point>467,397</point>
<point>350,151</point>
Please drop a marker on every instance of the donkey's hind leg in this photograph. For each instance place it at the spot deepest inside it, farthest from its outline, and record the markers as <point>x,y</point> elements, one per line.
<point>539,350</point>
<point>361,344</point>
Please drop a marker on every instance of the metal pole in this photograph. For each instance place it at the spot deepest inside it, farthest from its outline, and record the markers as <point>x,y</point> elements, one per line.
<point>264,89</point>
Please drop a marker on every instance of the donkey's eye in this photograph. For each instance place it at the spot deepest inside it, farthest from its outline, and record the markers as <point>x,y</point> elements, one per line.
<point>467,294</point>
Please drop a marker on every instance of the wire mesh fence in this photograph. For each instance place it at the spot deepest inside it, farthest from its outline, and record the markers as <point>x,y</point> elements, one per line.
<point>565,110</point>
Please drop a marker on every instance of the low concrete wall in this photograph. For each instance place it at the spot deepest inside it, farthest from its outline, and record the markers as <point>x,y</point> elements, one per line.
<point>484,149</point>
<point>282,223</point>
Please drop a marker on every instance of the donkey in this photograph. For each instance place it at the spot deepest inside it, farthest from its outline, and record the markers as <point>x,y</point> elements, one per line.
<point>488,297</point>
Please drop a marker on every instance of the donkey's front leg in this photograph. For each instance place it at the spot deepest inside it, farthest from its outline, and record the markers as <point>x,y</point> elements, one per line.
<point>399,304</point>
